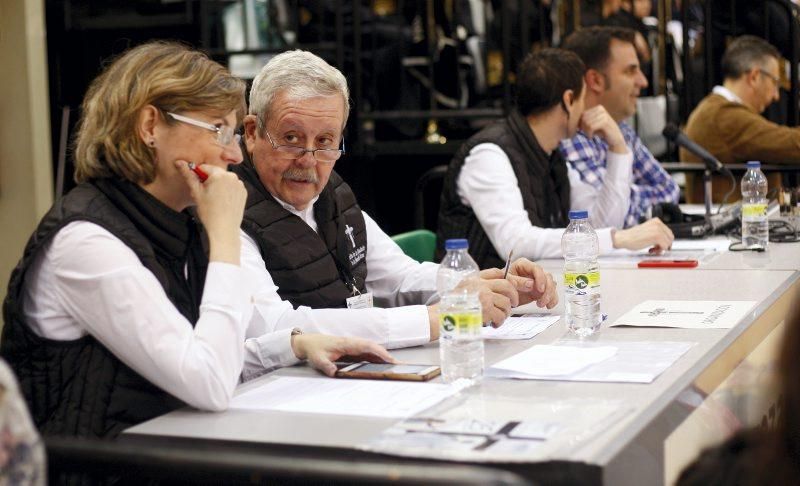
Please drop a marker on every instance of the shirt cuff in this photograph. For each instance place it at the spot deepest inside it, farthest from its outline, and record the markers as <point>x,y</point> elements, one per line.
<point>274,350</point>
<point>408,326</point>
<point>224,289</point>
<point>619,166</point>
<point>605,240</point>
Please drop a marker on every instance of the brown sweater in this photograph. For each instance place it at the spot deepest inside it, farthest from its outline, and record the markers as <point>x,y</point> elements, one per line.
<point>734,133</point>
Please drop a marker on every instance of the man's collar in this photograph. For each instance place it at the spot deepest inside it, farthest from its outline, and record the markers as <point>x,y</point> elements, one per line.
<point>295,211</point>
<point>727,94</point>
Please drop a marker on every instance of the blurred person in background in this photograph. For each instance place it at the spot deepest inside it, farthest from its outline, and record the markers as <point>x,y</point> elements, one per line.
<point>614,80</point>
<point>763,456</point>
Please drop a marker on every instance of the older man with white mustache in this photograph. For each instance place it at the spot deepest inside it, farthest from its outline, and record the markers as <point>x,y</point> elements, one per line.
<point>325,259</point>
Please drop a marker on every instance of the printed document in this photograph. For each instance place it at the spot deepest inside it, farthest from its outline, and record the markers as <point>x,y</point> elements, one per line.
<point>521,327</point>
<point>687,314</point>
<point>369,398</point>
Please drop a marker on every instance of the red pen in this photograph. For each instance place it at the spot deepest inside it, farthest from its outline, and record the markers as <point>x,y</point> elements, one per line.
<point>197,170</point>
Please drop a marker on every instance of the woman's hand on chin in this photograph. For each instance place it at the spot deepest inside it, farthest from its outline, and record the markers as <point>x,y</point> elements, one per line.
<point>220,205</point>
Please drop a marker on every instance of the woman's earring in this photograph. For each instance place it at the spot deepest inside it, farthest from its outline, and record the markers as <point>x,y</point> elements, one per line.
<point>152,142</point>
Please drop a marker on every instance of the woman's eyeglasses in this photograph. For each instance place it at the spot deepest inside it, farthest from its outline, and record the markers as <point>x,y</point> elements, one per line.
<point>225,134</point>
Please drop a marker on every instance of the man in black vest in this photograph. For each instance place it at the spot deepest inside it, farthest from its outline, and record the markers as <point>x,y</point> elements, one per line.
<point>508,187</point>
<point>325,258</point>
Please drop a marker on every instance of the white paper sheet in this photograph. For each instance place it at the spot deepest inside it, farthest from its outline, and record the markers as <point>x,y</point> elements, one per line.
<point>521,327</point>
<point>554,360</point>
<point>370,398</point>
<point>717,243</point>
<point>634,362</point>
<point>687,314</point>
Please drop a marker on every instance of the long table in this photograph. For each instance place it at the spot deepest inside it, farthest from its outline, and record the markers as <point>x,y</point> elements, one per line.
<point>721,383</point>
<point>780,256</point>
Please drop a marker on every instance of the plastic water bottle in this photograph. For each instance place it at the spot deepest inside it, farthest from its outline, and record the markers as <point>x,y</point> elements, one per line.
<point>460,317</point>
<point>580,247</point>
<point>755,227</point>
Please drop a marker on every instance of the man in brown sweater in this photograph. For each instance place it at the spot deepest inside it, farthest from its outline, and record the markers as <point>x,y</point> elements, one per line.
<point>728,122</point>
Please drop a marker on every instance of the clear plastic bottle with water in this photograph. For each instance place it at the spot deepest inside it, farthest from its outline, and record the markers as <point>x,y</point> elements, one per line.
<point>460,317</point>
<point>755,226</point>
<point>580,247</point>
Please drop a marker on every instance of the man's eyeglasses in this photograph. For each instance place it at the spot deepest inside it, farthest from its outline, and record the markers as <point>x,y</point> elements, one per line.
<point>766,73</point>
<point>322,155</point>
<point>225,134</point>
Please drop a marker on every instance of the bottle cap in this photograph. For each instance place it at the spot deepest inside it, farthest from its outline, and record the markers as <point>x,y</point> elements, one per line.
<point>753,164</point>
<point>456,244</point>
<point>582,214</point>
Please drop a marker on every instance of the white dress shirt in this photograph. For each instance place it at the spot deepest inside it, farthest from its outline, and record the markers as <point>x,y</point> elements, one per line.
<point>396,281</point>
<point>727,94</point>
<point>488,185</point>
<point>87,281</point>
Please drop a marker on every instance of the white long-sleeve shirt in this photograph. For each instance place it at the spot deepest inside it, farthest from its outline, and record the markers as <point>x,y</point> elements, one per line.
<point>87,281</point>
<point>397,282</point>
<point>488,185</point>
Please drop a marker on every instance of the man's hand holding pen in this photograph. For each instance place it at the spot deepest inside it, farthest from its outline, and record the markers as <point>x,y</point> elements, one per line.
<point>530,281</point>
<point>521,282</point>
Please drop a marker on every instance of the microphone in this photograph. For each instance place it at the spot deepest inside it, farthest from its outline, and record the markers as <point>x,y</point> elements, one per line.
<point>676,136</point>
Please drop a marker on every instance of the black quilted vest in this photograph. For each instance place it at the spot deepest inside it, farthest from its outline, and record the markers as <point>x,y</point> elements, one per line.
<point>79,387</point>
<point>309,268</point>
<point>542,180</point>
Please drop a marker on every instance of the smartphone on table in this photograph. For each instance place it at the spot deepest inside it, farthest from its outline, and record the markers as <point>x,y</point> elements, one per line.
<point>387,371</point>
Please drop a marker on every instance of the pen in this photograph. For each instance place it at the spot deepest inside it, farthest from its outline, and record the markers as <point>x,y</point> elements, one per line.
<point>508,263</point>
<point>505,274</point>
<point>197,170</point>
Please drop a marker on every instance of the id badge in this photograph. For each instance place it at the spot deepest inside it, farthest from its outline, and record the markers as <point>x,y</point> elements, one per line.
<point>360,301</point>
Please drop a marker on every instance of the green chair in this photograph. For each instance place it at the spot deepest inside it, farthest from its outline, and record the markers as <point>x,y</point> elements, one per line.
<point>418,244</point>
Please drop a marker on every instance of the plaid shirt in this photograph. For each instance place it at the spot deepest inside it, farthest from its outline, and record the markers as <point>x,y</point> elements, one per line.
<point>651,183</point>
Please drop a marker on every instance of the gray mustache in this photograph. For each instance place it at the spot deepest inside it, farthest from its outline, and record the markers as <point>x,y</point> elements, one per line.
<point>301,175</point>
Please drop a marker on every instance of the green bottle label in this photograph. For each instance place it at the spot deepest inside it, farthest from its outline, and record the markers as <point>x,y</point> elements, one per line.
<point>754,210</point>
<point>461,323</point>
<point>582,281</point>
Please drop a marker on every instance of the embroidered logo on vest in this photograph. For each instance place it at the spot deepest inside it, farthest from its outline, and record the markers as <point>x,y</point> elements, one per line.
<point>349,232</point>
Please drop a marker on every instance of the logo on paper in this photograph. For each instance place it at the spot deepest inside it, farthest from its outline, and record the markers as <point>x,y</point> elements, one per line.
<point>581,282</point>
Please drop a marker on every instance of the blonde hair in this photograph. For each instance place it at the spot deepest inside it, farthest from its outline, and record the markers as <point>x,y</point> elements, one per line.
<point>303,75</point>
<point>167,75</point>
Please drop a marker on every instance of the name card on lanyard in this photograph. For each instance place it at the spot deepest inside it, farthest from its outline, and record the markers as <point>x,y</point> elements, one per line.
<point>360,301</point>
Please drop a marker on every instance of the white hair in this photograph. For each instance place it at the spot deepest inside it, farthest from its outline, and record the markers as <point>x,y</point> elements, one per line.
<point>302,75</point>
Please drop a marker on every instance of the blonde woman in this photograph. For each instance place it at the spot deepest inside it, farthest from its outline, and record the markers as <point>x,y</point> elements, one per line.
<point>124,305</point>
